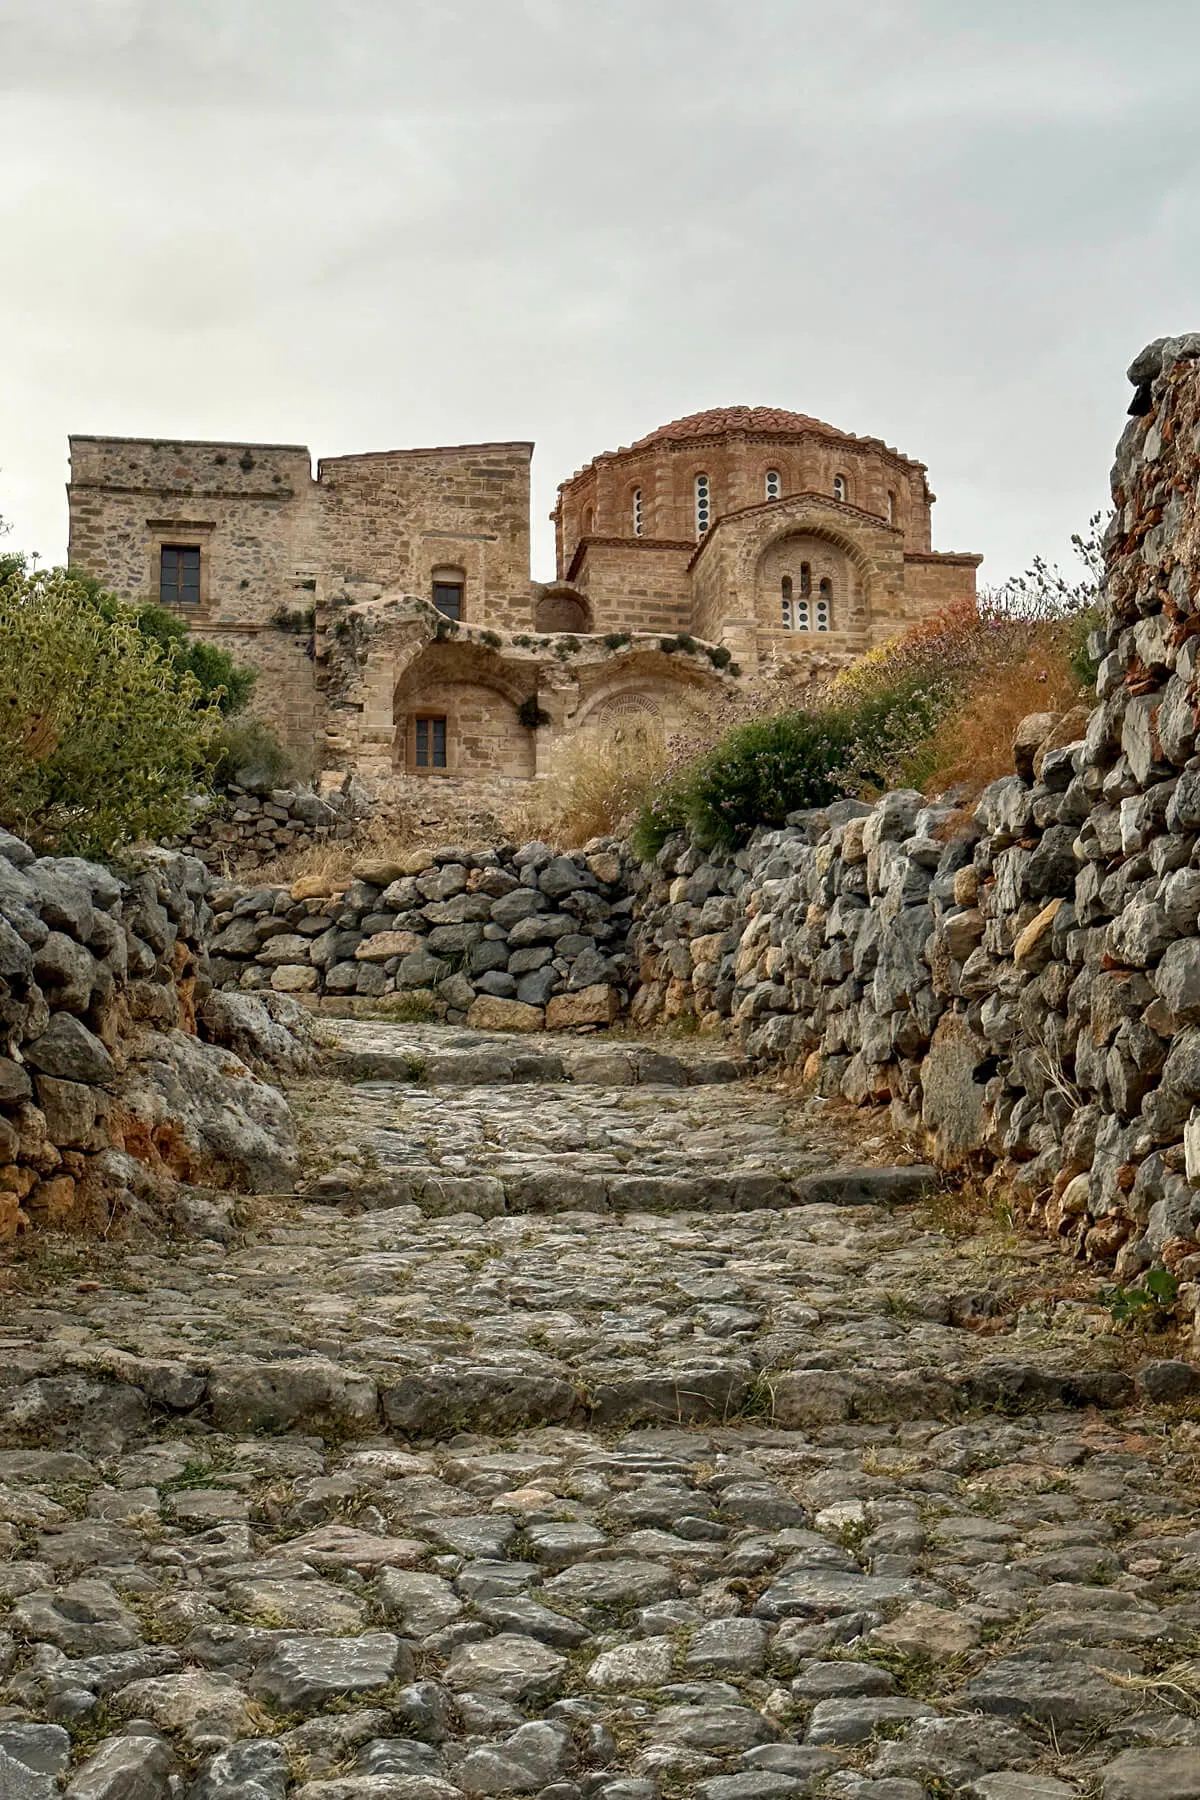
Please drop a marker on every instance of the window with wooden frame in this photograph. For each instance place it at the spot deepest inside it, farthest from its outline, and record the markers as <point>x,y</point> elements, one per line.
<point>448,598</point>
<point>429,741</point>
<point>179,575</point>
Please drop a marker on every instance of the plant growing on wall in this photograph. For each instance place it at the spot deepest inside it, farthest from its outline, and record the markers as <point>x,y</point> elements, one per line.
<point>532,715</point>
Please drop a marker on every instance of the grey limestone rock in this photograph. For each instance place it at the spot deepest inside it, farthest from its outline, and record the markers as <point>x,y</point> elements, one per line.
<point>305,1673</point>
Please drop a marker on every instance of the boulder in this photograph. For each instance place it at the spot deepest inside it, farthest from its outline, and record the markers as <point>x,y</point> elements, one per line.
<point>489,1012</point>
<point>596,1005</point>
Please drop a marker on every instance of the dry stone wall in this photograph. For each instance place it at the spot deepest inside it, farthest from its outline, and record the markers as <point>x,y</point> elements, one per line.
<point>109,1097</point>
<point>513,939</point>
<point>247,826</point>
<point>1023,984</point>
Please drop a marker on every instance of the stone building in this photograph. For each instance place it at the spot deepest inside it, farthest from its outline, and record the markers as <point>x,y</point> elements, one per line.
<point>388,606</point>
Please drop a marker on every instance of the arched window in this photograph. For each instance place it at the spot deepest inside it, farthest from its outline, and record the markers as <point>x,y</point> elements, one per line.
<point>589,519</point>
<point>891,507</point>
<point>703,510</point>
<point>824,604</point>
<point>637,512</point>
<point>785,601</point>
<point>840,490</point>
<point>806,579</point>
<point>773,484</point>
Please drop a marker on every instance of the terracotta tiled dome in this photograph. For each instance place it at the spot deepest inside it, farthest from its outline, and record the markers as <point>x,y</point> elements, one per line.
<point>721,419</point>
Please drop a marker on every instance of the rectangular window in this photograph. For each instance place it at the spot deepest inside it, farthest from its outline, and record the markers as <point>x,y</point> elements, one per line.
<point>179,575</point>
<point>447,597</point>
<point>430,743</point>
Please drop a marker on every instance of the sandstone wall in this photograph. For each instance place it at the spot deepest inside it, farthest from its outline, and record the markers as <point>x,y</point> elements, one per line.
<point>397,517</point>
<point>247,506</point>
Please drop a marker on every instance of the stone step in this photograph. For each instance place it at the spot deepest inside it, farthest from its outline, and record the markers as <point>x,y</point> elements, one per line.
<point>450,1395</point>
<point>548,1189</point>
<point>440,1056</point>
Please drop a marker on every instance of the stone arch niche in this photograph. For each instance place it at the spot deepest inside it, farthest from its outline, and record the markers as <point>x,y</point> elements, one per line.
<point>559,607</point>
<point>479,701</point>
<point>632,714</point>
<point>808,584</point>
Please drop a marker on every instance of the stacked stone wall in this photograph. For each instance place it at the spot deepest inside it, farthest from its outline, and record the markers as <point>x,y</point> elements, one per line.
<point>108,1097</point>
<point>509,939</point>
<point>244,827</point>
<point>1022,983</point>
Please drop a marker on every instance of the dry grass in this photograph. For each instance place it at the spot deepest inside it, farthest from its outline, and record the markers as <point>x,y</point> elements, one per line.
<point>973,744</point>
<point>599,787</point>
<point>450,821</point>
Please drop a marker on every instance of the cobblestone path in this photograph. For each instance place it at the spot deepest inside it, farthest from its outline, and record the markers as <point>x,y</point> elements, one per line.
<point>596,1424</point>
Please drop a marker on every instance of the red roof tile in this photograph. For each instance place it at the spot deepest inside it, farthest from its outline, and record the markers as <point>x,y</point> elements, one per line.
<point>721,419</point>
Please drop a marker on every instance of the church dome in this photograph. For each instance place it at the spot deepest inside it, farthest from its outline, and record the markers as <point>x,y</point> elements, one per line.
<point>723,421</point>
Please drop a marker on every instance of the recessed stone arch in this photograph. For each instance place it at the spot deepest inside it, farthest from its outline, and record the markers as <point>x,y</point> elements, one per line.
<point>470,701</point>
<point>806,549</point>
<point>559,607</point>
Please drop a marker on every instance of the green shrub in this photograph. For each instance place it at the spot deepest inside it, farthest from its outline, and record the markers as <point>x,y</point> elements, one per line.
<point>764,770</point>
<point>221,681</point>
<point>249,754</point>
<point>661,816</point>
<point>102,736</point>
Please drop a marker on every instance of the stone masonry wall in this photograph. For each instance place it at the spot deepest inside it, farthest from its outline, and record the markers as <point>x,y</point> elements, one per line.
<point>108,1097</point>
<point>245,827</point>
<point>1023,984</point>
<point>510,939</point>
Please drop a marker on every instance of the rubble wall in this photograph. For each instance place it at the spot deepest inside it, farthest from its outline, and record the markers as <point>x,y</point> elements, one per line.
<point>109,1097</point>
<point>509,939</point>
<point>1023,983</point>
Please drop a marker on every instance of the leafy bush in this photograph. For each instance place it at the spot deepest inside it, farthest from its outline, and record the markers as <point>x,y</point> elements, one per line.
<point>221,681</point>
<point>102,736</point>
<point>249,754</point>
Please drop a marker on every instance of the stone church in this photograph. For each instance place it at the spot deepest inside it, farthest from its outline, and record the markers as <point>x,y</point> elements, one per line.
<point>388,606</point>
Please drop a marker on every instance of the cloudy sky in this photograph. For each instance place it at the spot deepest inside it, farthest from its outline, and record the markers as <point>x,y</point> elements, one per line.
<point>379,223</point>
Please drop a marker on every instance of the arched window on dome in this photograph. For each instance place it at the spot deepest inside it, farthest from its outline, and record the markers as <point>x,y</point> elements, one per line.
<point>773,484</point>
<point>824,606</point>
<point>589,520</point>
<point>840,489</point>
<point>703,505</point>
<point>637,512</point>
<point>891,507</point>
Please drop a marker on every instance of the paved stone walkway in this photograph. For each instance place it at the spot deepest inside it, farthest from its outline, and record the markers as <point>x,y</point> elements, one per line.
<point>595,1425</point>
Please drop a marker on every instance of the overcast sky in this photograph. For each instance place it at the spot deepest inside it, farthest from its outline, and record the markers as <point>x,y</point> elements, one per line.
<point>370,224</point>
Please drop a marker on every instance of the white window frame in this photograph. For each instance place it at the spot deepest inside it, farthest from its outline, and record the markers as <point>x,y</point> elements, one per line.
<point>823,605</point>
<point>637,512</point>
<point>773,484</point>
<point>840,489</point>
